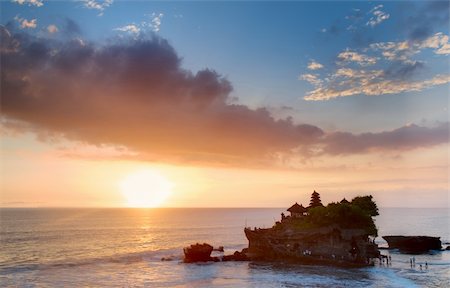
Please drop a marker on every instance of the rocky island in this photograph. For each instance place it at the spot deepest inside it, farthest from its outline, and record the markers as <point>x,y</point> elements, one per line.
<point>339,234</point>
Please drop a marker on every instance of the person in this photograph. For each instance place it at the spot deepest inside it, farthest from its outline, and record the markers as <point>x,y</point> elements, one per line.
<point>426,265</point>
<point>420,267</point>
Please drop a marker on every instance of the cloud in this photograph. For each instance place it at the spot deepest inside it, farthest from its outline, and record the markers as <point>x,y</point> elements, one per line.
<point>397,68</point>
<point>348,82</point>
<point>404,138</point>
<point>154,25</point>
<point>313,65</point>
<point>311,78</point>
<point>361,59</point>
<point>438,41</point>
<point>52,29</point>
<point>421,21</point>
<point>37,3</point>
<point>24,23</point>
<point>156,21</point>
<point>135,94</point>
<point>404,50</point>
<point>403,70</point>
<point>131,28</point>
<point>378,16</point>
<point>99,5</point>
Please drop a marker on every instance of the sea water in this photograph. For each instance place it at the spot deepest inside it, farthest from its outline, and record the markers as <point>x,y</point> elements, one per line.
<point>124,247</point>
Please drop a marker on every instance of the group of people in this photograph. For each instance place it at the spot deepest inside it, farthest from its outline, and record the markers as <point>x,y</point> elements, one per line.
<point>384,258</point>
<point>412,262</point>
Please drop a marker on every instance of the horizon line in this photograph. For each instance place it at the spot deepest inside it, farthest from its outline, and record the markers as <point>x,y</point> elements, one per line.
<point>187,207</point>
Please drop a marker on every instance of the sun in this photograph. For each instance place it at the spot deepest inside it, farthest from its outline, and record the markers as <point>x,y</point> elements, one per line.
<point>145,188</point>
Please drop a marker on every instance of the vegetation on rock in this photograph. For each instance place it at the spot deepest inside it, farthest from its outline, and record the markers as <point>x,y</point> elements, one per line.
<point>356,214</point>
<point>344,215</point>
<point>367,204</point>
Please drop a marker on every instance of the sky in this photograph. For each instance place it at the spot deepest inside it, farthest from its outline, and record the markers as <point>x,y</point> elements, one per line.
<point>223,104</point>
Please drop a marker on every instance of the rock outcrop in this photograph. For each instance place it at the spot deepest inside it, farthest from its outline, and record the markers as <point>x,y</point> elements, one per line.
<point>198,253</point>
<point>413,244</point>
<point>202,253</point>
<point>329,245</point>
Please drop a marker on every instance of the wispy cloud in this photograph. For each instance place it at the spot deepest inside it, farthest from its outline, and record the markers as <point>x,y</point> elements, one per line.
<point>37,3</point>
<point>311,78</point>
<point>313,65</point>
<point>154,25</point>
<point>404,50</point>
<point>99,5</point>
<point>26,24</point>
<point>378,16</point>
<point>156,21</point>
<point>131,28</point>
<point>348,82</point>
<point>361,59</point>
<point>396,68</point>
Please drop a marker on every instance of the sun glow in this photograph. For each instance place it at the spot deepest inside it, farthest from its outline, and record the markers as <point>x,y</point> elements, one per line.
<point>146,188</point>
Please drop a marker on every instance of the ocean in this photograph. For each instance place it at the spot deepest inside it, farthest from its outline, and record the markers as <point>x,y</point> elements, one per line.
<point>124,247</point>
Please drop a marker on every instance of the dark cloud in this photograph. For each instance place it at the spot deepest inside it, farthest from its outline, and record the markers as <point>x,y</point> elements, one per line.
<point>404,70</point>
<point>404,138</point>
<point>422,21</point>
<point>135,94</point>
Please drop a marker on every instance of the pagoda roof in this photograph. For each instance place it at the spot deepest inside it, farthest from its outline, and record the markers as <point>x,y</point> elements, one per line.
<point>297,208</point>
<point>344,201</point>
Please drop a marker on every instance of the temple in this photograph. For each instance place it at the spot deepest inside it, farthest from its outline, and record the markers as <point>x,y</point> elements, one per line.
<point>317,235</point>
<point>297,210</point>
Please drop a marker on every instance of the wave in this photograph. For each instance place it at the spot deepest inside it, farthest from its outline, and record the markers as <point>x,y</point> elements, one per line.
<point>126,258</point>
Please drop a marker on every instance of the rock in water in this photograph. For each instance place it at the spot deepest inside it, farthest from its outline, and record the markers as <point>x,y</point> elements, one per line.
<point>413,244</point>
<point>198,253</point>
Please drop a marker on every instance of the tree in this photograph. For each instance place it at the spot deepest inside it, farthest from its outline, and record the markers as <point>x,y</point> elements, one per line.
<point>367,204</point>
<point>315,200</point>
<point>347,216</point>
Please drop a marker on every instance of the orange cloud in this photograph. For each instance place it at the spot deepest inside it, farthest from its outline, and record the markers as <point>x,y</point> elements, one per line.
<point>137,95</point>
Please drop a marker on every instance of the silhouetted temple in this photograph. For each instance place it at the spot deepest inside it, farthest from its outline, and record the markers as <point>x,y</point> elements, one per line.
<point>315,238</point>
<point>297,210</point>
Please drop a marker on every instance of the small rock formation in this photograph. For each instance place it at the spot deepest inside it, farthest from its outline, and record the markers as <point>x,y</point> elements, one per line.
<point>237,256</point>
<point>198,253</point>
<point>413,244</point>
<point>202,253</point>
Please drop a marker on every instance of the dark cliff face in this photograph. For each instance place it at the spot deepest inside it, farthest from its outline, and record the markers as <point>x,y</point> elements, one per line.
<point>325,245</point>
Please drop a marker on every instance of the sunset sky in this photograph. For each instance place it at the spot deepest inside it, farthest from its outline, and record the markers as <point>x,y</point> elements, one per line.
<point>229,104</point>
